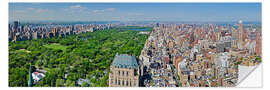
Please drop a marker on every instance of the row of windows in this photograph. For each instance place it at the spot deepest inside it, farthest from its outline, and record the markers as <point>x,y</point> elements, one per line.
<point>122,73</point>
<point>123,83</point>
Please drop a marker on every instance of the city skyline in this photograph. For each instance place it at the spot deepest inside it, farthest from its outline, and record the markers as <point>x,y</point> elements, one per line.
<point>192,12</point>
<point>133,44</point>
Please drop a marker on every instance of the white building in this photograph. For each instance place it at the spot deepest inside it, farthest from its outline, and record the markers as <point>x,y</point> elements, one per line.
<point>222,59</point>
<point>37,76</point>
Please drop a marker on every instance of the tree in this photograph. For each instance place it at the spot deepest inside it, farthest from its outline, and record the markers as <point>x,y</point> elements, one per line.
<point>70,83</point>
<point>59,82</point>
<point>85,84</point>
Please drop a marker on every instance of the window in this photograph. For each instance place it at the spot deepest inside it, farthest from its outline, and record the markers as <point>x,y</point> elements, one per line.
<point>130,83</point>
<point>126,83</point>
<point>127,73</point>
<point>135,72</point>
<point>112,81</point>
<point>119,73</point>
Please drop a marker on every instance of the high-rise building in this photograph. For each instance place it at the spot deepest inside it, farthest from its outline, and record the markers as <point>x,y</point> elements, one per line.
<point>16,24</point>
<point>220,47</point>
<point>34,35</point>
<point>240,34</point>
<point>124,71</point>
<point>234,33</point>
<point>258,48</point>
<point>240,31</point>
<point>9,27</point>
<point>157,24</point>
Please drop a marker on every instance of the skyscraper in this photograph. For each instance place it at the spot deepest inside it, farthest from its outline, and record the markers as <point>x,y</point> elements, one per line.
<point>240,34</point>
<point>16,25</point>
<point>258,48</point>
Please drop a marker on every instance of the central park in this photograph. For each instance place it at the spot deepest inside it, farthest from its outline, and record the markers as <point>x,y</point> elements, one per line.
<point>66,59</point>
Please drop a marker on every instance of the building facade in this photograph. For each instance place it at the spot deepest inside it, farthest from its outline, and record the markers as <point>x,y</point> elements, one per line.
<point>124,71</point>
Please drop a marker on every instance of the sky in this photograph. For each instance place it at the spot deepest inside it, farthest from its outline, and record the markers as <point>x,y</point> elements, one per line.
<point>194,12</point>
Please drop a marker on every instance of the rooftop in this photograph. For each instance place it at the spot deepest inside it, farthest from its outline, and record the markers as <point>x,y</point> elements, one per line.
<point>125,61</point>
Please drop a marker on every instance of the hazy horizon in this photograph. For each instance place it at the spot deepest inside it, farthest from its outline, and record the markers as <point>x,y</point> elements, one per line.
<point>183,12</point>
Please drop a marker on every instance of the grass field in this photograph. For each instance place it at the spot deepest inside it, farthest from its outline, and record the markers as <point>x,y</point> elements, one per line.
<point>56,46</point>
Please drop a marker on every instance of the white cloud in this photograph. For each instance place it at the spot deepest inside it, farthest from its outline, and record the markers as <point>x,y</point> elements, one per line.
<point>76,7</point>
<point>31,10</point>
<point>135,14</point>
<point>104,10</point>
<point>110,9</point>
<point>20,11</point>
<point>98,11</point>
<point>41,10</point>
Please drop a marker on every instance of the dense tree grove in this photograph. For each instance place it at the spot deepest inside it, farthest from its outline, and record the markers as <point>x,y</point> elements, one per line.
<point>87,56</point>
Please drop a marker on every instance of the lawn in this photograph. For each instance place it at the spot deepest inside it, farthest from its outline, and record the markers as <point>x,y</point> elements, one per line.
<point>56,46</point>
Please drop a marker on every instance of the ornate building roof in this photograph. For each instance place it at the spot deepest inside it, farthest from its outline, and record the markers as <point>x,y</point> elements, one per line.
<point>125,61</point>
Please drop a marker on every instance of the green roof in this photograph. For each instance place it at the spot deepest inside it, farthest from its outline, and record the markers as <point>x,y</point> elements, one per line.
<point>125,61</point>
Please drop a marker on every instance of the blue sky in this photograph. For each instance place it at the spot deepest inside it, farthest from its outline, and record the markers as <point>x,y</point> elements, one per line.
<point>220,12</point>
